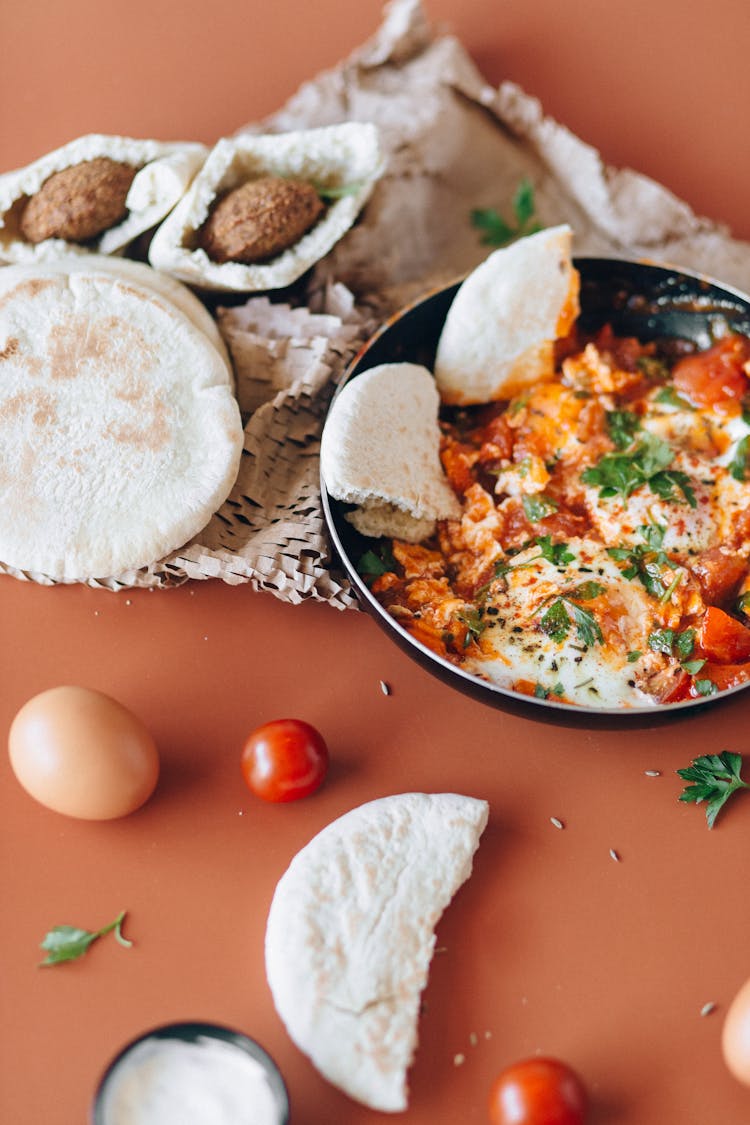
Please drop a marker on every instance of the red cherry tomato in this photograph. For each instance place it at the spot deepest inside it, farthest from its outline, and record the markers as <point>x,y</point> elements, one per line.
<point>715,378</point>
<point>538,1091</point>
<point>284,760</point>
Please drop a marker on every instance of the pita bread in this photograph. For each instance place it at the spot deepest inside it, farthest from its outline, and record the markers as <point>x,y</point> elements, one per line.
<point>500,330</point>
<point>119,432</point>
<point>334,157</point>
<point>381,451</point>
<point>165,172</point>
<point>350,935</point>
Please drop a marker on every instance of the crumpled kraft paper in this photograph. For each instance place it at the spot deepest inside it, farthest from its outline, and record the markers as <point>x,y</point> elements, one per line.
<point>453,143</point>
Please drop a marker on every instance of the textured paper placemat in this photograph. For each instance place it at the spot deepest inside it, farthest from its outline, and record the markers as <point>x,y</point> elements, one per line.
<point>452,143</point>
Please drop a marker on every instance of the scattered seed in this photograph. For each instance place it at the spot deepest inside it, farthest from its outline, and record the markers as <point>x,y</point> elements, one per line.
<point>708,1008</point>
<point>652,773</point>
<point>615,855</point>
<point>205,638</point>
<point>385,688</point>
<point>473,1038</point>
<point>556,821</point>
<point>459,1060</point>
<point>441,949</point>
<point>128,601</point>
<point>488,1034</point>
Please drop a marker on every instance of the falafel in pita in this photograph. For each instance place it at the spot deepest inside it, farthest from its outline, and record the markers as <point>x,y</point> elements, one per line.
<point>498,337</point>
<point>285,199</point>
<point>350,935</point>
<point>95,194</point>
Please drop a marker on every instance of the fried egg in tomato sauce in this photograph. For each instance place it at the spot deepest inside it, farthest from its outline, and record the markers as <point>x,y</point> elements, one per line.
<point>602,514</point>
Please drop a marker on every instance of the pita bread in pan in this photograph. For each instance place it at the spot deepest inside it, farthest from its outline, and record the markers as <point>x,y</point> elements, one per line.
<point>380,450</point>
<point>500,330</point>
<point>165,170</point>
<point>350,935</point>
<point>119,432</point>
<point>336,158</point>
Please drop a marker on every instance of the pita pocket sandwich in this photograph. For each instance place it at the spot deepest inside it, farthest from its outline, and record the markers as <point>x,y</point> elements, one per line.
<point>350,935</point>
<point>264,208</point>
<point>380,451</point>
<point>119,432</point>
<point>96,194</point>
<point>498,337</point>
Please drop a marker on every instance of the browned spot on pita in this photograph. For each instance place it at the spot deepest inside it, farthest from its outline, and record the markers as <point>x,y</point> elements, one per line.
<point>110,344</point>
<point>151,434</point>
<point>26,290</point>
<point>41,403</point>
<point>11,348</point>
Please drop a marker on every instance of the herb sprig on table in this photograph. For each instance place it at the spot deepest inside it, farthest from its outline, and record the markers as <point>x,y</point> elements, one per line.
<point>715,778</point>
<point>497,231</point>
<point>68,943</point>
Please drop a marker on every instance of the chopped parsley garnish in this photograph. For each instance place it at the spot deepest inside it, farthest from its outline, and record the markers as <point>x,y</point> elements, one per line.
<point>542,692</point>
<point>706,687</point>
<point>474,624</point>
<point>647,562</point>
<point>563,613</point>
<point>622,425</point>
<point>634,655</point>
<point>743,604</point>
<point>555,553</point>
<point>669,397</point>
<point>620,474</point>
<point>497,231</point>
<point>738,466</point>
<point>374,563</point>
<point>538,507</point>
<point>680,645</point>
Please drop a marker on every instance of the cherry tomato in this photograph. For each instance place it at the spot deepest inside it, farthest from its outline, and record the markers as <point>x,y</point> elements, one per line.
<point>716,378</point>
<point>723,639</point>
<point>284,760</point>
<point>538,1091</point>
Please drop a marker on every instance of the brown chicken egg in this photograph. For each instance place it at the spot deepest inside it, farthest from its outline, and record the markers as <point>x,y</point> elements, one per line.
<point>81,753</point>
<point>735,1036</point>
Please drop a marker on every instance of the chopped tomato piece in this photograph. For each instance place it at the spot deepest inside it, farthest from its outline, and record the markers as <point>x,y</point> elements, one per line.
<point>722,639</point>
<point>719,573</point>
<point>716,377</point>
<point>457,461</point>
<point>679,689</point>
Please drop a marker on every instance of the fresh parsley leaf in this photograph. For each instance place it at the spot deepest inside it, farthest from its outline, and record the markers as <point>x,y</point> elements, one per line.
<point>555,553</point>
<point>661,640</point>
<point>634,655</point>
<point>542,692</point>
<point>620,474</point>
<point>374,563</point>
<point>67,943</point>
<point>715,778</point>
<point>587,590</point>
<point>474,624</point>
<point>685,643</point>
<point>706,687</point>
<point>647,562</point>
<point>692,667</point>
<point>586,625</point>
<point>555,621</point>
<point>738,466</point>
<point>497,231</point>
<point>669,397</point>
<point>538,507</point>
<point>622,425</point>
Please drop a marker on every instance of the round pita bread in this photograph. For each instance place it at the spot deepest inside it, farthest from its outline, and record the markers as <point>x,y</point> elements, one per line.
<point>499,333</point>
<point>350,935</point>
<point>381,450</point>
<point>119,432</point>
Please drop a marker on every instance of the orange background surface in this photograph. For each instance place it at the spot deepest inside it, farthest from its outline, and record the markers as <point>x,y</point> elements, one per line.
<point>552,946</point>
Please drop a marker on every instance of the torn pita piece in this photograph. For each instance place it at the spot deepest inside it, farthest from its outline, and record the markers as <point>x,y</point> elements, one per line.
<point>157,174</point>
<point>351,933</point>
<point>381,452</point>
<point>499,334</point>
<point>341,163</point>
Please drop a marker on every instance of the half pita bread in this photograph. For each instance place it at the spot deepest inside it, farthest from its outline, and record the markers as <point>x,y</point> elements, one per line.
<point>337,157</point>
<point>119,432</point>
<point>165,172</point>
<point>500,330</point>
<point>380,450</point>
<point>350,935</point>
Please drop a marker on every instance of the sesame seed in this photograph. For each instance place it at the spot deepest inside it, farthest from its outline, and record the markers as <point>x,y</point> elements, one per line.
<point>385,688</point>
<point>615,855</point>
<point>652,773</point>
<point>459,1060</point>
<point>488,1034</point>
<point>556,821</point>
<point>128,601</point>
<point>708,1008</point>
<point>473,1038</point>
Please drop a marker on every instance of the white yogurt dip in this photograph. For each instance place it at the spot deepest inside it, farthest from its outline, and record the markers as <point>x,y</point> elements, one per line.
<point>173,1082</point>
